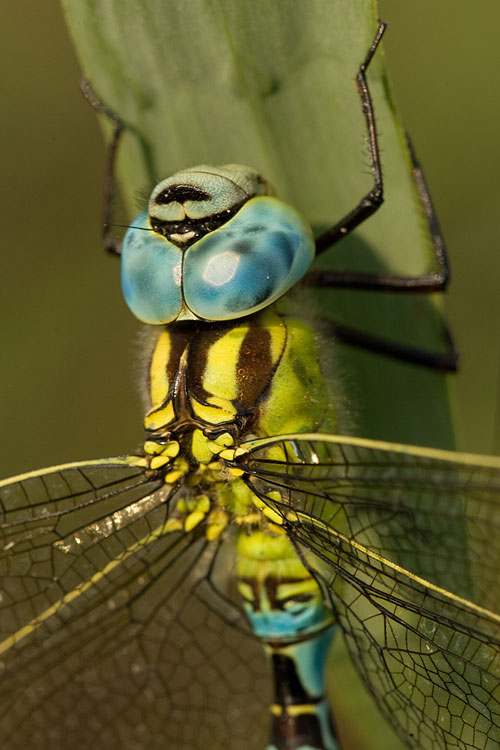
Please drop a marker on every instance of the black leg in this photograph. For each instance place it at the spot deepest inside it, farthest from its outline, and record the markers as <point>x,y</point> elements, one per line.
<point>445,361</point>
<point>374,198</point>
<point>435,281</point>
<point>111,243</point>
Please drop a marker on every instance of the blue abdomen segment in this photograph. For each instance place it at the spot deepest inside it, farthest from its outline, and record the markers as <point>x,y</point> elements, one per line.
<point>301,716</point>
<point>285,607</point>
<point>249,262</point>
<point>151,273</point>
<point>241,267</point>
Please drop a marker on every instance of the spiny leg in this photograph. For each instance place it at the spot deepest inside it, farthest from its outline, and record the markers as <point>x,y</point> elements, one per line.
<point>435,281</point>
<point>111,243</point>
<point>446,361</point>
<point>375,197</point>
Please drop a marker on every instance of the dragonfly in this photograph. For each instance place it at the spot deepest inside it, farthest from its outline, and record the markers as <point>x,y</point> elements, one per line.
<point>187,595</point>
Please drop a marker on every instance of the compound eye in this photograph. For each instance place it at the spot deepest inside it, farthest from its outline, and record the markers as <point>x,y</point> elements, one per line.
<point>249,262</point>
<point>210,249</point>
<point>151,273</point>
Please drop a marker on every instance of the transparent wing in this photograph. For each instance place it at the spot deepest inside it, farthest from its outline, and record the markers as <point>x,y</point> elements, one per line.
<point>114,632</point>
<point>405,545</point>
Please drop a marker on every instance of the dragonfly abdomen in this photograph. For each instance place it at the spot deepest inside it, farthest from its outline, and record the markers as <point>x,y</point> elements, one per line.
<point>300,720</point>
<point>285,607</point>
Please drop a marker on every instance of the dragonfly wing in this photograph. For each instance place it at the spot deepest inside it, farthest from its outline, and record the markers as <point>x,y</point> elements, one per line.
<point>431,661</point>
<point>115,631</point>
<point>435,513</point>
<point>402,541</point>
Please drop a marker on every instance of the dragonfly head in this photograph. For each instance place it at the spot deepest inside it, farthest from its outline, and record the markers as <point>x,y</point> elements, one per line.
<point>213,245</point>
<point>196,201</point>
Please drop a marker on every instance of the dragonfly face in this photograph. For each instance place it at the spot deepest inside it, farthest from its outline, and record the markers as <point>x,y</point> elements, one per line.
<point>212,246</point>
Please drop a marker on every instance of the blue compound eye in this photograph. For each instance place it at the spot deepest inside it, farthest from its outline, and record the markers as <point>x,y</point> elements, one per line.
<point>151,273</point>
<point>213,246</point>
<point>249,262</point>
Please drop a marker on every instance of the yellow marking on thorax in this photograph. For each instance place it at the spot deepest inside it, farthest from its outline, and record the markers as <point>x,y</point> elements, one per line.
<point>158,371</point>
<point>217,522</point>
<point>169,449</point>
<point>205,450</point>
<point>180,468</point>
<point>220,368</point>
<point>296,400</point>
<point>199,447</point>
<point>277,331</point>
<point>216,411</point>
<point>161,413</point>
<point>154,420</point>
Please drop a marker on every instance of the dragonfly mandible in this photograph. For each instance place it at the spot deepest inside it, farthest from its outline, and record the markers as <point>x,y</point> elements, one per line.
<point>137,592</point>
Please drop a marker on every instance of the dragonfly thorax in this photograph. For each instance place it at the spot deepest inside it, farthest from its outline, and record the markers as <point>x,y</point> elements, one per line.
<point>214,245</point>
<point>229,379</point>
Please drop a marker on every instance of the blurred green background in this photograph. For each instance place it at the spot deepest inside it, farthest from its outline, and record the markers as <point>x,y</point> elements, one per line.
<point>68,343</point>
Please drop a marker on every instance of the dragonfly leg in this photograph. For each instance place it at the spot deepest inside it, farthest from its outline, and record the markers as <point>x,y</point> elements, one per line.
<point>374,198</point>
<point>446,361</point>
<point>435,281</point>
<point>111,243</point>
